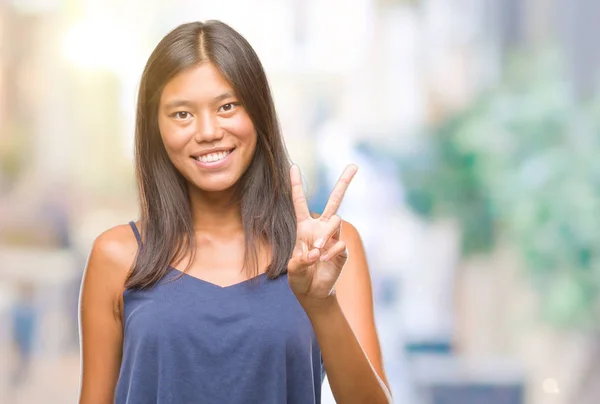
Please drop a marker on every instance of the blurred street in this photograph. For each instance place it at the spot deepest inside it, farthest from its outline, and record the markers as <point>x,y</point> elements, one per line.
<point>51,381</point>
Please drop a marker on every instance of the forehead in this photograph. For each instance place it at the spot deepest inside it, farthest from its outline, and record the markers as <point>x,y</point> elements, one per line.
<point>198,83</point>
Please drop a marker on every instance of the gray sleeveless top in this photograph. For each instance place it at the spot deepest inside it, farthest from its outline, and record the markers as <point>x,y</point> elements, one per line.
<point>186,340</point>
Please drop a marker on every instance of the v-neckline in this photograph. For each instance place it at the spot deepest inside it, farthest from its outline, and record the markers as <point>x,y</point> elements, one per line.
<point>256,278</point>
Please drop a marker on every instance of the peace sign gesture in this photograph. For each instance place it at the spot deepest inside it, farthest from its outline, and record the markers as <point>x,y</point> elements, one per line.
<point>319,254</point>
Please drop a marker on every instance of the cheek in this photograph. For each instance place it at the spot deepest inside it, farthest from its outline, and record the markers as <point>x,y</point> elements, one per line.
<point>243,128</point>
<point>174,137</point>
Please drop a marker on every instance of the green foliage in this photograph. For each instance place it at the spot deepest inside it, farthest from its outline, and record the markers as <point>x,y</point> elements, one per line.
<point>522,164</point>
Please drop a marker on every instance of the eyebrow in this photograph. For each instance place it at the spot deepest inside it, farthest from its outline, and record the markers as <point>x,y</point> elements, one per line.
<point>224,96</point>
<point>187,103</point>
<point>178,103</point>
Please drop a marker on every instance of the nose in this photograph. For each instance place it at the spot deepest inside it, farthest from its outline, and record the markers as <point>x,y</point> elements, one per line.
<point>208,129</point>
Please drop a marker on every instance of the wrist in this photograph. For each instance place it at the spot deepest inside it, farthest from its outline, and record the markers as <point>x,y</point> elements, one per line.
<point>318,307</point>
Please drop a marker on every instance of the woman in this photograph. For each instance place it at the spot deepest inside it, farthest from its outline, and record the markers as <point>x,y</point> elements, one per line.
<point>227,290</point>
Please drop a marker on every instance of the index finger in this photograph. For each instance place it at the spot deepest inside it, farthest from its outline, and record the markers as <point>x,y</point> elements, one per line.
<point>335,199</point>
<point>298,197</point>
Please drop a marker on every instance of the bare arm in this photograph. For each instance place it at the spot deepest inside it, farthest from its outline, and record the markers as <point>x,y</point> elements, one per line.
<point>346,332</point>
<point>101,331</point>
<point>355,296</point>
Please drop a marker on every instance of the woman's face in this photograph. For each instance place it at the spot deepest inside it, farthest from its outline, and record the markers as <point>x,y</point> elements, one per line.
<point>207,133</point>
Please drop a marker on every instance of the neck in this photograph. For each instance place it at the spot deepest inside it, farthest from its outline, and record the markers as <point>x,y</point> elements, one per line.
<point>214,214</point>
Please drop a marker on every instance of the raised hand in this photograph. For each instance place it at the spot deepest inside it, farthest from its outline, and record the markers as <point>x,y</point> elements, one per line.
<point>319,254</point>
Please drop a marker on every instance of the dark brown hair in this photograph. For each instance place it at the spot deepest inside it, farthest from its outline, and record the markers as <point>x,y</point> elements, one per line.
<point>263,191</point>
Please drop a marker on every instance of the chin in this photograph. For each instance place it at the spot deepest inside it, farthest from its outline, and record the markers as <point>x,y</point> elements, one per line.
<point>213,186</point>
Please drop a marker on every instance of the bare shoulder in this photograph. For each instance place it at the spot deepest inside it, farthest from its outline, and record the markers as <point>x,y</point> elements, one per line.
<point>111,258</point>
<point>116,245</point>
<point>349,233</point>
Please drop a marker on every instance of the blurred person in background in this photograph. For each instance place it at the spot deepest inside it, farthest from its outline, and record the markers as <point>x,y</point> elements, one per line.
<point>228,290</point>
<point>23,316</point>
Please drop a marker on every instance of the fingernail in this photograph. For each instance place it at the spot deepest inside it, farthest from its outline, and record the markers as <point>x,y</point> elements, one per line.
<point>313,255</point>
<point>319,243</point>
<point>324,257</point>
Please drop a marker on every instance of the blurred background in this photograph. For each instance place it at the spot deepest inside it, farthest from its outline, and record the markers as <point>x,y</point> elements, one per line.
<point>476,127</point>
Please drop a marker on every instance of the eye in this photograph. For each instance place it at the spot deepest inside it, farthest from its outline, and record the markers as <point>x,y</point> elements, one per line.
<point>181,115</point>
<point>228,107</point>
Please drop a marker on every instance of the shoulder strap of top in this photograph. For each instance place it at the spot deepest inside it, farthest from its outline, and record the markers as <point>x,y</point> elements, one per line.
<point>136,232</point>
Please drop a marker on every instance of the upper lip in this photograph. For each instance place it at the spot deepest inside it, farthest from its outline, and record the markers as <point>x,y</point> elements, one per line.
<point>213,150</point>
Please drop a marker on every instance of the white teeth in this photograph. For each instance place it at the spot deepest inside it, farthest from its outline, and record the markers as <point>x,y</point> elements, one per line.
<point>212,157</point>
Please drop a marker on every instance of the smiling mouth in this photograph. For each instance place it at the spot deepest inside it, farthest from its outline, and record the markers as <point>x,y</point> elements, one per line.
<point>213,157</point>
